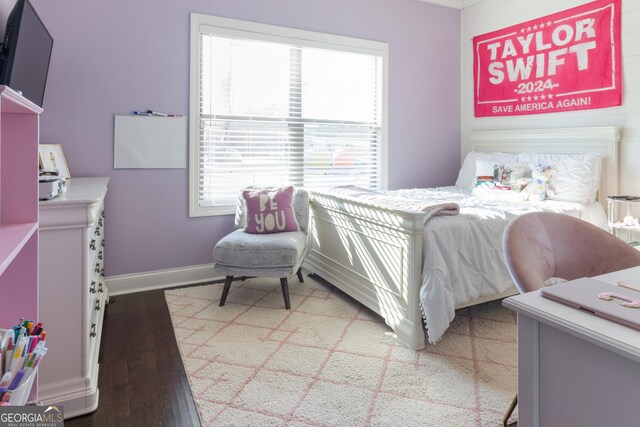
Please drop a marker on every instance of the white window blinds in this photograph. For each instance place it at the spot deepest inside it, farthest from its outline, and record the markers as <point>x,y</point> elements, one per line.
<point>285,111</point>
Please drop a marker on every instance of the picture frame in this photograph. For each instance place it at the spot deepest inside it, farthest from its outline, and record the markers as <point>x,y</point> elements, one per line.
<point>51,157</point>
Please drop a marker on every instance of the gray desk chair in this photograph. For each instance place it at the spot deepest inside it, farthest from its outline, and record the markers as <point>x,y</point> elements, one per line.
<point>542,245</point>
<point>264,255</point>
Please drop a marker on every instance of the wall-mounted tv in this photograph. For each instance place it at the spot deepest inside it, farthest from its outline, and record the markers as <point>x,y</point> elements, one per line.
<point>26,52</point>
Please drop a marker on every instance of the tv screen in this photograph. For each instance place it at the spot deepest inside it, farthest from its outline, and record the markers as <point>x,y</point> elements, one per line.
<point>26,51</point>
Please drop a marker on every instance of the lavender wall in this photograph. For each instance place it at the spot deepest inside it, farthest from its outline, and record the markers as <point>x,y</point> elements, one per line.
<point>116,56</point>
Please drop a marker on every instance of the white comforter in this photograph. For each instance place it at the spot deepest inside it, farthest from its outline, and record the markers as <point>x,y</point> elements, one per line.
<point>463,257</point>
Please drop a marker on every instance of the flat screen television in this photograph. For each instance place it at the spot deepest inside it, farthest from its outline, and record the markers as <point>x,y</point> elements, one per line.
<point>26,52</point>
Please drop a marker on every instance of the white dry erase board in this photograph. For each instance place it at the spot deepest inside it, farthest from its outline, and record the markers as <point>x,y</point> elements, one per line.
<point>150,142</point>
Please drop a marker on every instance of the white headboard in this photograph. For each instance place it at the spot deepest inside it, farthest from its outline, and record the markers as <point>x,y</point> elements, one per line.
<point>602,140</point>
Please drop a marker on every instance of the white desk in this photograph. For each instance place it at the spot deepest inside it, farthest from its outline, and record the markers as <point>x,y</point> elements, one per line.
<point>575,369</point>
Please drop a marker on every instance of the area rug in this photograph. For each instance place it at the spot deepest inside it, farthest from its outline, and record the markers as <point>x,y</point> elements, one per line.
<point>329,361</point>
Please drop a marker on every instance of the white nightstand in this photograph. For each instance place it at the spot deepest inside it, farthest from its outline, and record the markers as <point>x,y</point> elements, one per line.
<point>621,221</point>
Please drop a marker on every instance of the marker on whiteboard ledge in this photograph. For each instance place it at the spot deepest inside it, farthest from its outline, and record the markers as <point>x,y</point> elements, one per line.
<point>156,113</point>
<point>141,113</point>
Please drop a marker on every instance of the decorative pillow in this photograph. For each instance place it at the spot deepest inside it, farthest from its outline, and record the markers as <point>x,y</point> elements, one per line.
<point>486,170</point>
<point>269,210</point>
<point>503,176</point>
<point>468,173</point>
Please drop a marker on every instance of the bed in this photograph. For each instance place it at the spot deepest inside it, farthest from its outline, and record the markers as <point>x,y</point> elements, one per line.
<point>389,258</point>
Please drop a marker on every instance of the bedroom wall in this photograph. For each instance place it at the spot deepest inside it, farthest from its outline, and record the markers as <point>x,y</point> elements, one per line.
<point>117,56</point>
<point>490,15</point>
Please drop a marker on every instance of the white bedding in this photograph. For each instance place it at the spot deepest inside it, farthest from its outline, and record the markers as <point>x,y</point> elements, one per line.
<point>463,257</point>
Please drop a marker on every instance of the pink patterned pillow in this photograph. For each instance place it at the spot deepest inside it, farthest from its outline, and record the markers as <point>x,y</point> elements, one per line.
<point>270,210</point>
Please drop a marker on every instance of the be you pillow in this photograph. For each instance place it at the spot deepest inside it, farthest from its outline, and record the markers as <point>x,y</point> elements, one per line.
<point>269,210</point>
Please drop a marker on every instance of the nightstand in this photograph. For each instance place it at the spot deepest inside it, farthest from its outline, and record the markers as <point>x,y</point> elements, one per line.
<point>621,222</point>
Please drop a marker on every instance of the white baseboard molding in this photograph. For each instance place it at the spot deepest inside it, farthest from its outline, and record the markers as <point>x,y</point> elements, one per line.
<point>161,279</point>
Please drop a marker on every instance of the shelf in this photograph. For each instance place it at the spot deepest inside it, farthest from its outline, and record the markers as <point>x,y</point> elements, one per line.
<point>620,226</point>
<point>13,102</point>
<point>13,237</point>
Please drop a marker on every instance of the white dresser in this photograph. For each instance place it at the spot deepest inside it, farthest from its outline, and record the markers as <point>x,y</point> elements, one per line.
<point>72,294</point>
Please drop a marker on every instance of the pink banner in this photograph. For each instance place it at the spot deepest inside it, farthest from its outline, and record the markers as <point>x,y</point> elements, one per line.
<point>566,61</point>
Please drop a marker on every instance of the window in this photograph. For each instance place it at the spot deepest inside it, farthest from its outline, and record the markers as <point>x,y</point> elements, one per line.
<point>278,106</point>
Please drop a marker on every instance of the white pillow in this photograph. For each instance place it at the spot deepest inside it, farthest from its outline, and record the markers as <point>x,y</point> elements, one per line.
<point>577,177</point>
<point>468,173</point>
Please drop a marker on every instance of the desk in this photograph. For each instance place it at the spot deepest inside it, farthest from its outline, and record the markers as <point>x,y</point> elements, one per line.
<point>575,369</point>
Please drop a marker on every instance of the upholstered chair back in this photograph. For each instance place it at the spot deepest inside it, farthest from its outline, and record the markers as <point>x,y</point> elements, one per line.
<point>542,245</point>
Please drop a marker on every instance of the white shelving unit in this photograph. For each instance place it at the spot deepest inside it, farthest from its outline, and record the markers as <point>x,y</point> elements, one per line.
<point>19,133</point>
<point>622,223</point>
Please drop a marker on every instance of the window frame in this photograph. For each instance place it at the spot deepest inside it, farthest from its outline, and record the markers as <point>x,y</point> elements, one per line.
<point>258,31</point>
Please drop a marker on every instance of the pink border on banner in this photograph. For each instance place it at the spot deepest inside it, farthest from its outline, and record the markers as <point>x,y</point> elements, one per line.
<point>567,61</point>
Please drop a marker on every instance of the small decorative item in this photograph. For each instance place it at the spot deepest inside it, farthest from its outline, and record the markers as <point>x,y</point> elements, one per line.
<point>628,220</point>
<point>537,188</point>
<point>52,158</point>
<point>628,301</point>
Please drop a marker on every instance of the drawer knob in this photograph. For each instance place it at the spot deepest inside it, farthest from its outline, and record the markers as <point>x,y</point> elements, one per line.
<point>92,245</point>
<point>100,289</point>
<point>102,243</point>
<point>97,306</point>
<point>97,231</point>
<point>92,288</point>
<point>97,267</point>
<point>100,255</point>
<point>93,332</point>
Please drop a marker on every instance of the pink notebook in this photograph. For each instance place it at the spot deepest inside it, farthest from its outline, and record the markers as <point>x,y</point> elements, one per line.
<point>583,295</point>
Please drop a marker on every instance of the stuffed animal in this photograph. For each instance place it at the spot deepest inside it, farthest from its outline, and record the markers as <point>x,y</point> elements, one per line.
<point>537,188</point>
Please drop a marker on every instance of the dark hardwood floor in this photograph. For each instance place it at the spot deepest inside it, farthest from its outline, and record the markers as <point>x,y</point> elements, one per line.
<point>142,380</point>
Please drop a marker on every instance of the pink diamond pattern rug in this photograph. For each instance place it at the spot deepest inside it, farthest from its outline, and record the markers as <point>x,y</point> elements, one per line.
<point>329,361</point>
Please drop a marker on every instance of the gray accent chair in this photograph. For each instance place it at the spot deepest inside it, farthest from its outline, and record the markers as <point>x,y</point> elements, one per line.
<point>264,255</point>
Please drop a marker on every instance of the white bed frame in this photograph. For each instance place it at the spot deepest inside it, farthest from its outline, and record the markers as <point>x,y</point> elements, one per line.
<point>374,254</point>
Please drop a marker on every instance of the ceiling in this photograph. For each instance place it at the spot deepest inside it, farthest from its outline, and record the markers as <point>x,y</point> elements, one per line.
<point>456,4</point>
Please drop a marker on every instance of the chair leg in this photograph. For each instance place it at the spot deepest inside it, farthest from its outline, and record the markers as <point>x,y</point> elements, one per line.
<point>225,290</point>
<point>285,292</point>
<point>512,407</point>
<point>300,277</point>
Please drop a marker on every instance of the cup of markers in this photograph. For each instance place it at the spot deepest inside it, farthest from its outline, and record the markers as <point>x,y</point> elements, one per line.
<point>22,348</point>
